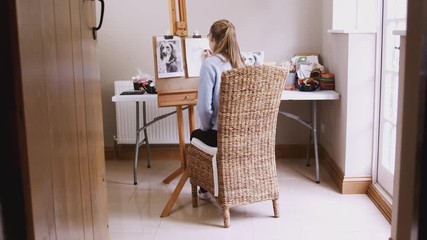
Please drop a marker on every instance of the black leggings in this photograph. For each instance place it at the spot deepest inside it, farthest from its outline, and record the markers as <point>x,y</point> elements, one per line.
<point>207,137</point>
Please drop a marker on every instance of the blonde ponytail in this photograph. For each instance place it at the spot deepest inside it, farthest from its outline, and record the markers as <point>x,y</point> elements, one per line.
<point>224,33</point>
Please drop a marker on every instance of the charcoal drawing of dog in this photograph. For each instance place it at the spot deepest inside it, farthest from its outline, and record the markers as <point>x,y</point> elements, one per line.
<point>168,56</point>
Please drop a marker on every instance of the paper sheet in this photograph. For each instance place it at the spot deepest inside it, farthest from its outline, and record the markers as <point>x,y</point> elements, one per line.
<point>194,48</point>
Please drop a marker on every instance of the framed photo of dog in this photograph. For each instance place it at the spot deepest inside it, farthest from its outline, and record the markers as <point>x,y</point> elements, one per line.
<point>169,57</point>
<point>253,58</point>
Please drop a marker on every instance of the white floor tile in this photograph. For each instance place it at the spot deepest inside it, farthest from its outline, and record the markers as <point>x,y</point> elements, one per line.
<point>307,210</point>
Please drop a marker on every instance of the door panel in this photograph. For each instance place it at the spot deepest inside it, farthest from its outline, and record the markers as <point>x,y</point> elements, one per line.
<point>33,72</point>
<point>63,120</point>
<point>93,107</point>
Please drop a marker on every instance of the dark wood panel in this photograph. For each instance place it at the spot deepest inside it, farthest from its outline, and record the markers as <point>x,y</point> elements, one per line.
<point>35,113</point>
<point>12,212</point>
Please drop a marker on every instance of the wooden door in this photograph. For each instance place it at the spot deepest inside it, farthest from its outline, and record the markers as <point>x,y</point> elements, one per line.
<point>61,149</point>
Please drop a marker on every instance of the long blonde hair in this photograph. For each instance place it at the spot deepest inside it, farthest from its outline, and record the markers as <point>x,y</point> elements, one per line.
<point>224,33</point>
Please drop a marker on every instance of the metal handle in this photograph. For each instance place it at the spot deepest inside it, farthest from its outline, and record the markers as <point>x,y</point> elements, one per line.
<point>94,29</point>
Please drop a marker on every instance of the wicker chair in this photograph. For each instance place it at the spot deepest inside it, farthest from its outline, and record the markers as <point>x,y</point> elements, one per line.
<point>243,170</point>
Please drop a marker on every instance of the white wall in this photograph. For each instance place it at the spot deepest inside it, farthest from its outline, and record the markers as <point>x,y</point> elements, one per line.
<point>348,124</point>
<point>278,27</point>
<point>332,120</point>
<point>360,104</point>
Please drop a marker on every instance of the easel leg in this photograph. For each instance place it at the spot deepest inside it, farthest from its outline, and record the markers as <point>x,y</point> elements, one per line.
<point>181,135</point>
<point>173,175</point>
<point>191,118</point>
<point>177,172</point>
<point>183,169</point>
<point>175,194</point>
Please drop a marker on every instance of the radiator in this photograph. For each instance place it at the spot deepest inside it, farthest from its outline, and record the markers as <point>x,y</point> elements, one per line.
<point>164,131</point>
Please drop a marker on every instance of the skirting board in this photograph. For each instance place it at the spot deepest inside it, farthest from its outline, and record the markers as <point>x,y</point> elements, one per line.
<point>354,185</point>
<point>157,152</point>
<point>346,185</point>
<point>166,152</point>
<point>382,204</point>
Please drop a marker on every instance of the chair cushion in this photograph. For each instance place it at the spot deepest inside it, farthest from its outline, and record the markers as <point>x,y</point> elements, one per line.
<point>211,151</point>
<point>202,146</point>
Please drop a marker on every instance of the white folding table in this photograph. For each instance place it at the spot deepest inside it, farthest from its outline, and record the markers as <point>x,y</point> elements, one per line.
<point>287,95</point>
<point>313,96</point>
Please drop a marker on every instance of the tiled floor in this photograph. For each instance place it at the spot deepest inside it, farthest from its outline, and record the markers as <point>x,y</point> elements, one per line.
<point>308,210</point>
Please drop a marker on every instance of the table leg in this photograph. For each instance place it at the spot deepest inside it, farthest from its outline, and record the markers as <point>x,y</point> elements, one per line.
<point>137,143</point>
<point>135,166</point>
<point>313,132</point>
<point>314,129</point>
<point>308,147</point>
<point>147,144</point>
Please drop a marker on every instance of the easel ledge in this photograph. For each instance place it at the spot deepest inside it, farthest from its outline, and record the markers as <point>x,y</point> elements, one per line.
<point>177,97</point>
<point>176,84</point>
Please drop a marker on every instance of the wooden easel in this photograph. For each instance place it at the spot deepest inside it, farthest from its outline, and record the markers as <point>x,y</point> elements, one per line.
<point>178,92</point>
<point>179,26</point>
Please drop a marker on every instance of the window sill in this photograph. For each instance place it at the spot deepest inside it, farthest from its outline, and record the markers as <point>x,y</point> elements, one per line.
<point>351,31</point>
<point>399,32</point>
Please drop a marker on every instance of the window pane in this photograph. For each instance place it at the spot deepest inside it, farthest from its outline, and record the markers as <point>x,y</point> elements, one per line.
<point>394,18</point>
<point>388,147</point>
<point>390,90</point>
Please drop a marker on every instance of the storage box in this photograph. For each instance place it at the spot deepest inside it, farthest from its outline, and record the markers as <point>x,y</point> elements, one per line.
<point>327,81</point>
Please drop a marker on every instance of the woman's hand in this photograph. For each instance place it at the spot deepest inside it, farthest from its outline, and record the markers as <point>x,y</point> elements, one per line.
<point>206,53</point>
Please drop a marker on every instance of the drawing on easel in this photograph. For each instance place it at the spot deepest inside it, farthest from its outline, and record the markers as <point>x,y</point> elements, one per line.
<point>194,48</point>
<point>169,57</point>
<point>253,58</point>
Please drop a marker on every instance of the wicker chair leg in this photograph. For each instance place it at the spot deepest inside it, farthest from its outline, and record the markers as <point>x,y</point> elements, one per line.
<point>276,208</point>
<point>194,197</point>
<point>226,215</point>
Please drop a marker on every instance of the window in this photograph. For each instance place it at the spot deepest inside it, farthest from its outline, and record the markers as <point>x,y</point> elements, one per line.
<point>393,18</point>
<point>383,17</point>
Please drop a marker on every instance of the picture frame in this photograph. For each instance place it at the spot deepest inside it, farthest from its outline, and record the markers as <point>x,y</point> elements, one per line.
<point>253,58</point>
<point>169,57</point>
